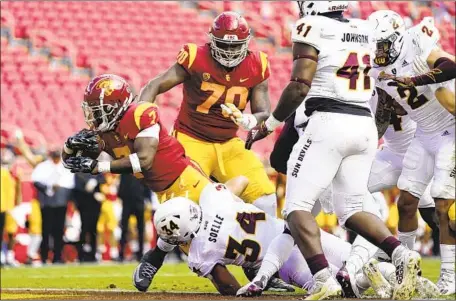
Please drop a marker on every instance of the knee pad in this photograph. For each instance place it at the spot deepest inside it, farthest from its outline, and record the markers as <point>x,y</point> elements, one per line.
<point>413,187</point>
<point>267,203</point>
<point>346,205</point>
<point>441,190</point>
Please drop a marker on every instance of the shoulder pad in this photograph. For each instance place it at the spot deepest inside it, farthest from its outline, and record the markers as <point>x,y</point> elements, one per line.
<point>138,117</point>
<point>187,55</point>
<point>425,36</point>
<point>309,30</point>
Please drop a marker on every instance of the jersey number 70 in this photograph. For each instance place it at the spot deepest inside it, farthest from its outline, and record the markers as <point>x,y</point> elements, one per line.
<point>249,248</point>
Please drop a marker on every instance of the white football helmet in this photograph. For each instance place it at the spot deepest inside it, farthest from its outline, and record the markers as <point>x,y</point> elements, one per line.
<point>389,30</point>
<point>320,7</point>
<point>178,220</point>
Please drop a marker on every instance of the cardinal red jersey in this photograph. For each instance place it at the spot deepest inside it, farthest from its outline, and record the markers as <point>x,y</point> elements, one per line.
<point>211,85</point>
<point>170,160</point>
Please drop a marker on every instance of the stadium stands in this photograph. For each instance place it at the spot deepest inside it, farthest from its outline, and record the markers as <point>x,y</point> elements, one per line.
<point>49,50</point>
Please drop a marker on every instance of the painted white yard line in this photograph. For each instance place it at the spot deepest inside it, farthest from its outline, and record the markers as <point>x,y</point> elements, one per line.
<point>82,291</point>
<point>110,275</point>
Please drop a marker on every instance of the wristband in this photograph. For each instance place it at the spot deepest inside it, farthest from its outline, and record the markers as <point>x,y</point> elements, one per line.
<point>250,121</point>
<point>272,123</point>
<point>135,165</point>
<point>164,246</point>
<point>67,150</point>
<point>104,166</point>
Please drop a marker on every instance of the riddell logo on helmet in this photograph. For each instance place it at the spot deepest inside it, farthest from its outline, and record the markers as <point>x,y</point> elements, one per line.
<point>230,37</point>
<point>338,7</point>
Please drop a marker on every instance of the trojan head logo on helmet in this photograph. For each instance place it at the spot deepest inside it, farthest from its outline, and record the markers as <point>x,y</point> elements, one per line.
<point>106,98</point>
<point>312,8</point>
<point>178,220</point>
<point>389,29</point>
<point>229,39</point>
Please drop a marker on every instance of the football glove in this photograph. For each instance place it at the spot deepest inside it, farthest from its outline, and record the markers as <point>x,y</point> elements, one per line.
<point>246,121</point>
<point>259,132</point>
<point>80,164</point>
<point>84,140</point>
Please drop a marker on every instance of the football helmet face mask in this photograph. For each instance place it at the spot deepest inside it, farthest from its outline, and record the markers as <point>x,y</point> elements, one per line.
<point>106,98</point>
<point>389,30</point>
<point>312,8</point>
<point>229,38</point>
<point>178,220</point>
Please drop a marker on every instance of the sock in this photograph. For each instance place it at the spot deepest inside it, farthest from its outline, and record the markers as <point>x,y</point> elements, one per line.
<point>360,253</point>
<point>35,241</point>
<point>389,245</point>
<point>10,257</point>
<point>407,238</point>
<point>447,254</point>
<point>317,263</point>
<point>278,252</point>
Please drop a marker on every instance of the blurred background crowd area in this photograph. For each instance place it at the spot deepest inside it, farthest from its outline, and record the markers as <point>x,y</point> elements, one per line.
<point>49,51</point>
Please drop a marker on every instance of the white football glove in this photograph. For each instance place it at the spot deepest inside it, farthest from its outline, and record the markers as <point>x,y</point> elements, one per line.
<point>246,121</point>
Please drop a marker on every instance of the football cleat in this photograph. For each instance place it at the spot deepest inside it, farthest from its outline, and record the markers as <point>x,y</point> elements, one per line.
<point>376,280</point>
<point>324,287</point>
<point>426,289</point>
<point>447,282</point>
<point>345,281</point>
<point>407,265</point>
<point>143,275</point>
<point>253,289</point>
<point>278,285</point>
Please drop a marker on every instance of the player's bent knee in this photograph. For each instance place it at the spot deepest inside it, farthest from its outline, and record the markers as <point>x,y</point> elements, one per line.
<point>345,206</point>
<point>407,205</point>
<point>443,207</point>
<point>267,203</point>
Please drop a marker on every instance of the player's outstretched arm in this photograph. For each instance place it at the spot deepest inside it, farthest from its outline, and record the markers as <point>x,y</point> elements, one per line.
<point>224,281</point>
<point>172,77</point>
<point>260,103</point>
<point>141,160</point>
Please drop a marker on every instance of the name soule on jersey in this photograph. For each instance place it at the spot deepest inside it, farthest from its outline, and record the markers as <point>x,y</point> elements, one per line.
<point>170,160</point>
<point>211,85</point>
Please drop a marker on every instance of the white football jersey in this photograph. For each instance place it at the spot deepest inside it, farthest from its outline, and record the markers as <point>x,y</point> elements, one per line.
<point>343,59</point>
<point>419,102</point>
<point>399,133</point>
<point>231,233</point>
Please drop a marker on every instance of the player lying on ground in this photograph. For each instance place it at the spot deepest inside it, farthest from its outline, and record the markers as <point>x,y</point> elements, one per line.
<point>222,231</point>
<point>221,72</point>
<point>330,54</point>
<point>431,154</point>
<point>132,133</point>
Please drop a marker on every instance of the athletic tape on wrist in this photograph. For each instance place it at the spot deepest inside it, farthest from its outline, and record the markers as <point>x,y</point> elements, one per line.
<point>104,166</point>
<point>135,165</point>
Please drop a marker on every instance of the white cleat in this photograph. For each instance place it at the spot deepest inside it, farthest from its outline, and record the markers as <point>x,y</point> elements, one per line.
<point>447,282</point>
<point>407,265</point>
<point>377,281</point>
<point>426,289</point>
<point>325,286</point>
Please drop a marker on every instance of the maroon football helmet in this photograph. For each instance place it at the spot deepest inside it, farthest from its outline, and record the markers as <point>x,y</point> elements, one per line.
<point>106,98</point>
<point>229,36</point>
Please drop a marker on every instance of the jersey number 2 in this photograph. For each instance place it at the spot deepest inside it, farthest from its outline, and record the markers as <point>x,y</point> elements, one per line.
<point>350,71</point>
<point>249,248</point>
<point>413,99</point>
<point>217,92</point>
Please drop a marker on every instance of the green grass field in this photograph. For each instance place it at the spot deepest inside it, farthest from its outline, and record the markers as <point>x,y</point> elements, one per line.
<point>171,278</point>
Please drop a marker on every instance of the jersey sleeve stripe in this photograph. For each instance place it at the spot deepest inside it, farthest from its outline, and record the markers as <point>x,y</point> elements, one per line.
<point>192,49</point>
<point>264,63</point>
<point>139,111</point>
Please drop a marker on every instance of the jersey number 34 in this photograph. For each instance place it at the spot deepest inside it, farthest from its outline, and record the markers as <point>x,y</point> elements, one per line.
<point>248,247</point>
